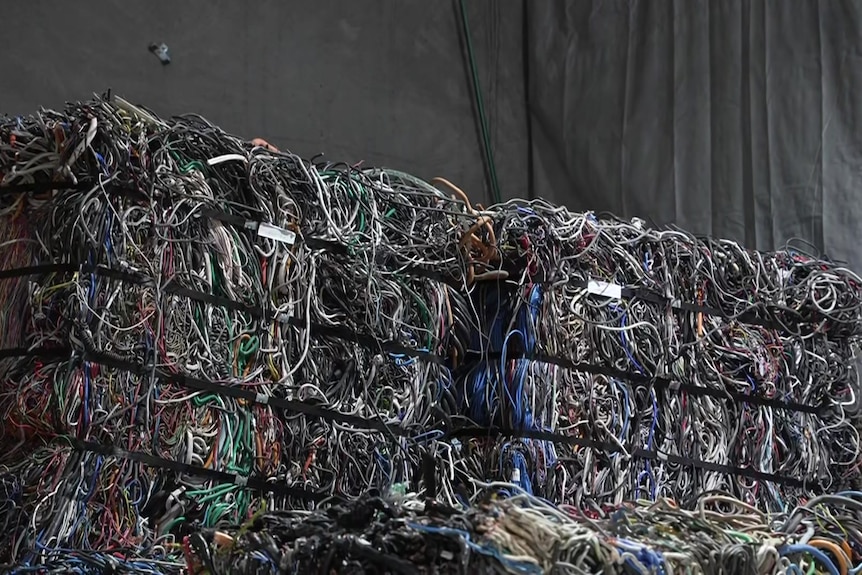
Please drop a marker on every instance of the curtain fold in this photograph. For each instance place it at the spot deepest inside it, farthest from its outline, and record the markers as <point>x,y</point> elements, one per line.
<point>736,119</point>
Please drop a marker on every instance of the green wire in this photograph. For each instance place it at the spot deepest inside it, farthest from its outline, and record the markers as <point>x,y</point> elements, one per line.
<point>480,106</point>
<point>210,494</point>
<point>423,309</point>
<point>200,400</point>
<point>745,537</point>
<point>172,523</point>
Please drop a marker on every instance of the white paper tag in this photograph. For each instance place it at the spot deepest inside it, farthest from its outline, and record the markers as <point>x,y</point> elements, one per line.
<point>276,233</point>
<point>605,289</point>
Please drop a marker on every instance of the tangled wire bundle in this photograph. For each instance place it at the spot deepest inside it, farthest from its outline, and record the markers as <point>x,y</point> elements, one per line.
<point>517,534</point>
<point>681,356</point>
<point>194,328</point>
<point>522,534</point>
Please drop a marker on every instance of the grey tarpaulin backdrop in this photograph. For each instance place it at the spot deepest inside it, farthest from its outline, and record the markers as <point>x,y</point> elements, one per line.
<point>733,118</point>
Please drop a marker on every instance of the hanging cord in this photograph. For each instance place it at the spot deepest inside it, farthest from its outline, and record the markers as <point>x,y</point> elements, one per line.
<point>480,108</point>
<point>525,57</point>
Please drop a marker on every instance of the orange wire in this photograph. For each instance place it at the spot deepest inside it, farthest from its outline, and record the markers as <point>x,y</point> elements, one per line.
<point>452,187</point>
<point>20,209</point>
<point>835,550</point>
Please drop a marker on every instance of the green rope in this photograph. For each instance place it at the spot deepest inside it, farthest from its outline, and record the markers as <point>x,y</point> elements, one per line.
<point>480,107</point>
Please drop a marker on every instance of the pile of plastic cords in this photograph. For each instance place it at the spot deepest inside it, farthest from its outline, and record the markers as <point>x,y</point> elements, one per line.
<point>194,329</point>
<point>697,352</point>
<point>522,534</point>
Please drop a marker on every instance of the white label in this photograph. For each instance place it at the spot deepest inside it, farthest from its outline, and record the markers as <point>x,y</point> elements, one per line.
<point>276,233</point>
<point>516,475</point>
<point>606,289</point>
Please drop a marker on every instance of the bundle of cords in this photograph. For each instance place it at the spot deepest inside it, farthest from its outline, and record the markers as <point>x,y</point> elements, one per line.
<point>521,534</point>
<point>505,530</point>
<point>186,316</point>
<point>647,363</point>
<point>196,330</point>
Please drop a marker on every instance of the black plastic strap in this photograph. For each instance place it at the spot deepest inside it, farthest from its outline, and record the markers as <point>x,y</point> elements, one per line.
<point>229,219</point>
<point>477,432</point>
<point>365,423</point>
<point>724,469</point>
<point>674,385</point>
<point>429,473</point>
<point>214,300</point>
<point>365,340</point>
<point>386,262</point>
<point>38,352</point>
<point>370,342</point>
<point>197,384</point>
<point>68,267</point>
<point>38,270</point>
<point>336,248</point>
<point>251,482</point>
<point>40,187</point>
<point>494,432</point>
<point>662,382</point>
<point>646,294</point>
<point>658,383</point>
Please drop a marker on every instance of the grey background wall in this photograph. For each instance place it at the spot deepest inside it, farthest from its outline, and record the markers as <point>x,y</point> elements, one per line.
<point>736,118</point>
<point>380,81</point>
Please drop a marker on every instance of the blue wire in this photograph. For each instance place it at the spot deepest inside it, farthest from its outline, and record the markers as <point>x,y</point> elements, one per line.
<point>385,467</point>
<point>517,566</point>
<point>525,415</point>
<point>816,553</point>
<point>428,436</point>
<point>515,400</point>
<point>520,463</point>
<point>478,402</point>
<point>625,343</point>
<point>158,422</point>
<point>445,383</point>
<point>851,494</point>
<point>99,461</point>
<point>91,290</point>
<point>102,163</point>
<point>625,427</point>
<point>529,327</point>
<point>404,360</point>
<point>753,383</point>
<point>109,246</point>
<point>134,486</point>
<point>264,558</point>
